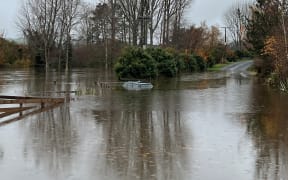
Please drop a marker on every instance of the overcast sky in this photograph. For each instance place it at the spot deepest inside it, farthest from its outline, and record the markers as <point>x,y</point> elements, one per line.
<point>211,11</point>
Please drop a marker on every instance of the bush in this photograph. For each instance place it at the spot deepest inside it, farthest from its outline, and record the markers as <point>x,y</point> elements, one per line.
<point>180,61</point>
<point>136,63</point>
<point>149,63</point>
<point>23,63</point>
<point>12,53</point>
<point>191,64</point>
<point>243,54</point>
<point>217,54</point>
<point>210,62</point>
<point>201,64</point>
<point>166,62</point>
<point>231,56</point>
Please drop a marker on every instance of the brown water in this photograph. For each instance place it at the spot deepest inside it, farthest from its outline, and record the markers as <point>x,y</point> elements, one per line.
<point>202,127</point>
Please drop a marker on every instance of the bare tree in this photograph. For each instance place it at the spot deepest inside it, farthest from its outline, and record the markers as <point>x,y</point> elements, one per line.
<point>169,9</point>
<point>131,12</point>
<point>2,33</point>
<point>113,19</point>
<point>236,19</point>
<point>140,19</point>
<point>172,12</point>
<point>85,28</point>
<point>38,23</point>
<point>68,20</point>
<point>100,23</point>
<point>155,15</point>
<point>47,24</point>
<point>179,11</point>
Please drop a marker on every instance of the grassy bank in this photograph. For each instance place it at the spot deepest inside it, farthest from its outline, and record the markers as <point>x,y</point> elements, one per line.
<point>218,67</point>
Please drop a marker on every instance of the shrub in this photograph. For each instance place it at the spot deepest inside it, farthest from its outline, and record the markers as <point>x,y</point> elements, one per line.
<point>23,63</point>
<point>231,56</point>
<point>166,62</point>
<point>201,64</point>
<point>191,64</point>
<point>180,61</point>
<point>149,63</point>
<point>243,54</point>
<point>136,63</point>
<point>217,54</point>
<point>12,53</point>
<point>210,62</point>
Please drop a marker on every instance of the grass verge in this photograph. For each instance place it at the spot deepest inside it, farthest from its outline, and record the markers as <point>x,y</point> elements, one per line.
<point>218,67</point>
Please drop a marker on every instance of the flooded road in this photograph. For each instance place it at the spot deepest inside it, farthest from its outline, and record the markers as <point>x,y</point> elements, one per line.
<point>202,126</point>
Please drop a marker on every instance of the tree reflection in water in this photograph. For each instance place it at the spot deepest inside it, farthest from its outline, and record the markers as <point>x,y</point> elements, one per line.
<point>116,134</point>
<point>50,139</point>
<point>268,128</point>
<point>145,145</point>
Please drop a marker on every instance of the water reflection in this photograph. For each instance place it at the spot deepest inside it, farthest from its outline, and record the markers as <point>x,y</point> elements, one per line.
<point>50,141</point>
<point>144,145</point>
<point>268,128</point>
<point>199,126</point>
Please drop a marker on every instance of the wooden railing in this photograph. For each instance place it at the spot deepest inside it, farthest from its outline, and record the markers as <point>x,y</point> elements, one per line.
<point>25,106</point>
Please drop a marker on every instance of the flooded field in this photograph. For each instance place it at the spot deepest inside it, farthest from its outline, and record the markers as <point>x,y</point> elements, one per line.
<point>201,126</point>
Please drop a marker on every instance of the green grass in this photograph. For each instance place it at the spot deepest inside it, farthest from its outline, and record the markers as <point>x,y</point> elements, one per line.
<point>218,67</point>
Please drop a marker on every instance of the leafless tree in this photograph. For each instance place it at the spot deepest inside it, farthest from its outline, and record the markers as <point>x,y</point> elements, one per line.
<point>172,13</point>
<point>155,16</point>
<point>179,11</point>
<point>169,9</point>
<point>38,23</point>
<point>113,19</point>
<point>2,33</point>
<point>138,20</point>
<point>69,18</point>
<point>85,28</point>
<point>235,20</point>
<point>131,12</point>
<point>47,24</point>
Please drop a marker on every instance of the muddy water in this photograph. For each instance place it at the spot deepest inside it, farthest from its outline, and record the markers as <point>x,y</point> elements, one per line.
<point>201,127</point>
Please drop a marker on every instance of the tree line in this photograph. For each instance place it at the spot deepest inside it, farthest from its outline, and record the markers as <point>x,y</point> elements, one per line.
<point>64,32</point>
<point>13,54</point>
<point>52,28</point>
<point>47,26</point>
<point>261,28</point>
<point>61,33</point>
<point>267,32</point>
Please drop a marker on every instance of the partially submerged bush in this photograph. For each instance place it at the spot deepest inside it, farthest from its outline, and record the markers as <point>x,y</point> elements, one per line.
<point>166,62</point>
<point>136,63</point>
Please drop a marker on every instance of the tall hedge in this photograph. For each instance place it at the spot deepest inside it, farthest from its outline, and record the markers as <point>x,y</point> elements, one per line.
<point>166,62</point>
<point>136,63</point>
<point>152,62</point>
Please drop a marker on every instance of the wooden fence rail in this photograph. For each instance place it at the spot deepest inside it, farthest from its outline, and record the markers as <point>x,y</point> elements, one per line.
<point>28,105</point>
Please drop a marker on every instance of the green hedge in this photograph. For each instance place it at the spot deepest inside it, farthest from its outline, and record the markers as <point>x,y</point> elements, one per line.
<point>136,63</point>
<point>152,62</point>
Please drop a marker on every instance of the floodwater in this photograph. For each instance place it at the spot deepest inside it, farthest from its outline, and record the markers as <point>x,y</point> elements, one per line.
<point>201,126</point>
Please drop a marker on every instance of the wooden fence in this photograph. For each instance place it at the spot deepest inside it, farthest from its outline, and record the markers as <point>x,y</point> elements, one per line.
<point>23,106</point>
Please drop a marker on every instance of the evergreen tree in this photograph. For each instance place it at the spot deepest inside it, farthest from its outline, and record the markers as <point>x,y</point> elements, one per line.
<point>266,16</point>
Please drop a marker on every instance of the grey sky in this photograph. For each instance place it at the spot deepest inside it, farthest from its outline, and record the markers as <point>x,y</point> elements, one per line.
<point>8,15</point>
<point>211,11</point>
